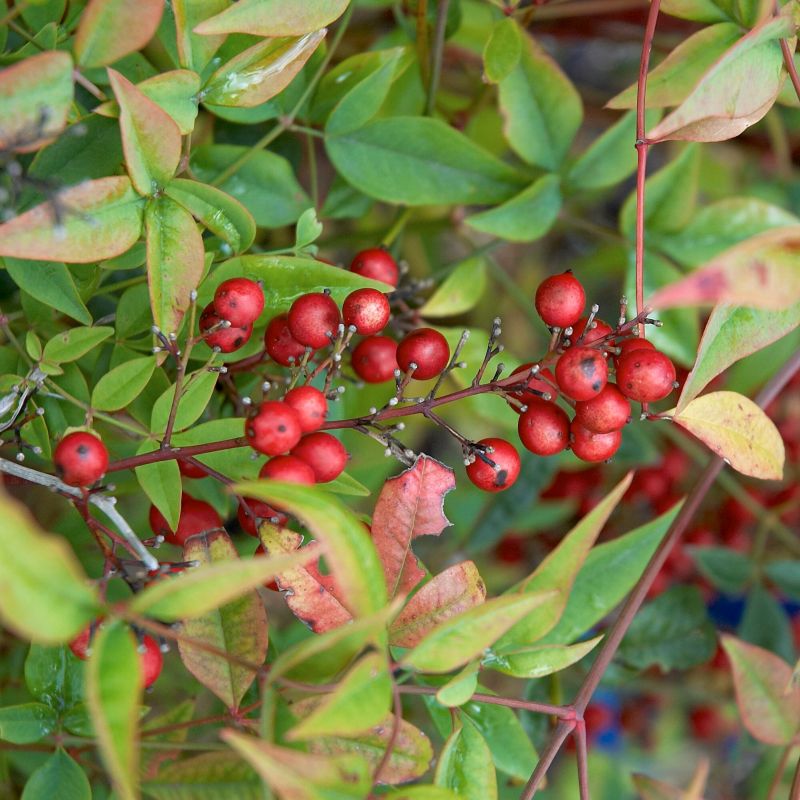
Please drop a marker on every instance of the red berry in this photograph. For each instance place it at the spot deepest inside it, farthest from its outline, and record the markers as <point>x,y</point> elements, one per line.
<point>240,301</point>
<point>275,429</point>
<point>560,300</point>
<point>281,346</point>
<point>500,475</point>
<point>510,549</point>
<point>426,348</point>
<point>324,453</point>
<point>196,517</point>
<point>375,359</point>
<point>226,339</point>
<point>310,405</point>
<point>590,446</point>
<point>606,412</point>
<point>628,345</point>
<point>151,659</point>
<point>314,319</point>
<point>190,470</point>
<point>260,510</point>
<point>534,384</point>
<point>645,375</point>
<point>543,428</point>
<point>599,330</point>
<point>582,373</point>
<point>367,310</point>
<point>706,723</point>
<point>377,264</point>
<point>290,469</point>
<point>81,643</point>
<point>80,459</point>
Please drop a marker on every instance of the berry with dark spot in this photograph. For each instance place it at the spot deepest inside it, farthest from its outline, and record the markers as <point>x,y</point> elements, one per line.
<point>196,517</point>
<point>560,300</point>
<point>606,412</point>
<point>226,339</point>
<point>543,428</point>
<point>367,310</point>
<point>281,346</point>
<point>289,469</point>
<point>582,372</point>
<point>310,405</point>
<point>645,375</point>
<point>499,475</point>
<point>376,263</point>
<point>80,459</point>
<point>324,453</point>
<point>374,360</point>
<point>426,348</point>
<point>314,319</point>
<point>240,301</point>
<point>275,428</point>
<point>590,446</point>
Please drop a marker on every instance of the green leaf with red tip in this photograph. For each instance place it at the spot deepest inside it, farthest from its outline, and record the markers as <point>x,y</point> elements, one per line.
<point>238,628</point>
<point>536,661</point>
<point>274,17</point>
<point>465,764</point>
<point>91,222</point>
<point>194,50</point>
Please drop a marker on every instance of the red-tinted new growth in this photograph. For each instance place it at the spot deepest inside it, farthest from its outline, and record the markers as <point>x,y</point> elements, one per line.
<point>535,384</point>
<point>599,330</point>
<point>196,517</point>
<point>80,459</point>
<point>377,264</point>
<point>645,375</point>
<point>607,412</point>
<point>543,428</point>
<point>426,348</point>
<point>314,319</point>
<point>240,301</point>
<point>281,346</point>
<point>152,660</point>
<point>560,300</point>
<point>367,310</point>
<point>190,470</point>
<point>375,359</point>
<point>226,339</point>
<point>589,446</point>
<point>500,475</point>
<point>275,429</point>
<point>259,510</point>
<point>324,453</point>
<point>310,405</point>
<point>582,373</point>
<point>290,469</point>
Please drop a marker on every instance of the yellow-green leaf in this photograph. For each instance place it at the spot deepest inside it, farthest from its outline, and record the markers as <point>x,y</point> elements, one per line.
<point>274,17</point>
<point>539,660</point>
<point>123,384</point>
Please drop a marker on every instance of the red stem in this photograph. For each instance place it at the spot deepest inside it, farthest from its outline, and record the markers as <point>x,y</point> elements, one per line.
<point>582,754</point>
<point>788,60</point>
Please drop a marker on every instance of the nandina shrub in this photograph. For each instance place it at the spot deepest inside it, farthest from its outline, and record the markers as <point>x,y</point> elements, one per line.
<point>375,399</point>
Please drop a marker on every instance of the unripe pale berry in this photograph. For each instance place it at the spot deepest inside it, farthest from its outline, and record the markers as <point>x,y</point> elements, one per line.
<point>196,517</point>
<point>375,359</point>
<point>281,346</point>
<point>599,330</point>
<point>506,467</point>
<point>377,264</point>
<point>310,405</point>
<point>367,310</point>
<point>606,412</point>
<point>543,428</point>
<point>581,372</point>
<point>426,348</point>
<point>314,319</point>
<point>534,384</point>
<point>240,301</point>
<point>260,510</point>
<point>80,459</point>
<point>290,469</point>
<point>645,375</point>
<point>589,446</point>
<point>560,300</point>
<point>226,339</point>
<point>324,453</point>
<point>275,428</point>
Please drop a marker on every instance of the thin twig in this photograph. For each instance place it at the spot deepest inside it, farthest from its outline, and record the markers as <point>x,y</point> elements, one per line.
<point>437,55</point>
<point>390,745</point>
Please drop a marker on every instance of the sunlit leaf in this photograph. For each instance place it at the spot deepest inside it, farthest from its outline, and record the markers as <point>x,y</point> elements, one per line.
<point>536,661</point>
<point>274,17</point>
<point>74,343</point>
<point>194,50</point>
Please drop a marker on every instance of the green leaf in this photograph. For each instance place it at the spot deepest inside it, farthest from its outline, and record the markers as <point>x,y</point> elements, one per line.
<point>537,661</point>
<point>460,687</point>
<point>238,628</point>
<point>228,462</point>
<point>459,292</point>
<point>43,12</point>
<point>786,576</point>
<point>422,792</point>
<point>74,343</point>
<point>765,623</point>
<point>218,211</point>
<point>104,220</point>
<point>347,484</point>
<point>27,723</point>
<point>541,108</point>
<point>123,384</point>
<point>161,483</point>
<point>197,390</point>
<point>465,765</point>
<point>113,692</point>
<point>727,569</point>
<point>50,283</point>
<point>274,17</point>
<point>699,10</point>
<point>419,161</point>
<point>210,776</point>
<point>60,776</point>
<point>54,676</point>
<point>175,261</point>
<point>46,596</point>
<point>503,50</point>
<point>35,96</point>
<point>309,229</point>
<point>526,217</point>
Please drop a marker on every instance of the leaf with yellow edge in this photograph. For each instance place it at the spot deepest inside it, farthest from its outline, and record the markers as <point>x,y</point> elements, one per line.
<point>274,17</point>
<point>736,429</point>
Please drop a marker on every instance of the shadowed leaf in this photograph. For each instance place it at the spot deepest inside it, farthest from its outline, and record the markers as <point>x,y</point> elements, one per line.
<point>60,776</point>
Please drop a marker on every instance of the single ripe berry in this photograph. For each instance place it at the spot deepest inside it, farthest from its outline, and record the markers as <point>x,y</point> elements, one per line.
<point>560,300</point>
<point>258,510</point>
<point>499,475</point>
<point>81,644</point>
<point>189,470</point>
<point>196,517</point>
<point>281,346</point>
<point>314,319</point>
<point>240,301</point>
<point>275,429</point>
<point>534,384</point>
<point>377,264</point>
<point>629,345</point>
<point>367,310</point>
<point>645,375</point>
<point>80,459</point>
<point>590,446</point>
<point>599,330</point>
<point>310,405</point>
<point>582,373</point>
<point>290,469</point>
<point>375,359</point>
<point>543,428</point>
<point>324,453</point>
<point>606,412</point>
<point>227,339</point>
<point>426,348</point>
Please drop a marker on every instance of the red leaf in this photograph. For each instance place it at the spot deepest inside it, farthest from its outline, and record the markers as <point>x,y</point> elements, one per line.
<point>410,505</point>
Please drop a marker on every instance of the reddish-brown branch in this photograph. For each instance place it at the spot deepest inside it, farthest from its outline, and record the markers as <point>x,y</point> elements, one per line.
<point>582,757</point>
<point>397,707</point>
<point>788,60</point>
<point>525,705</point>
